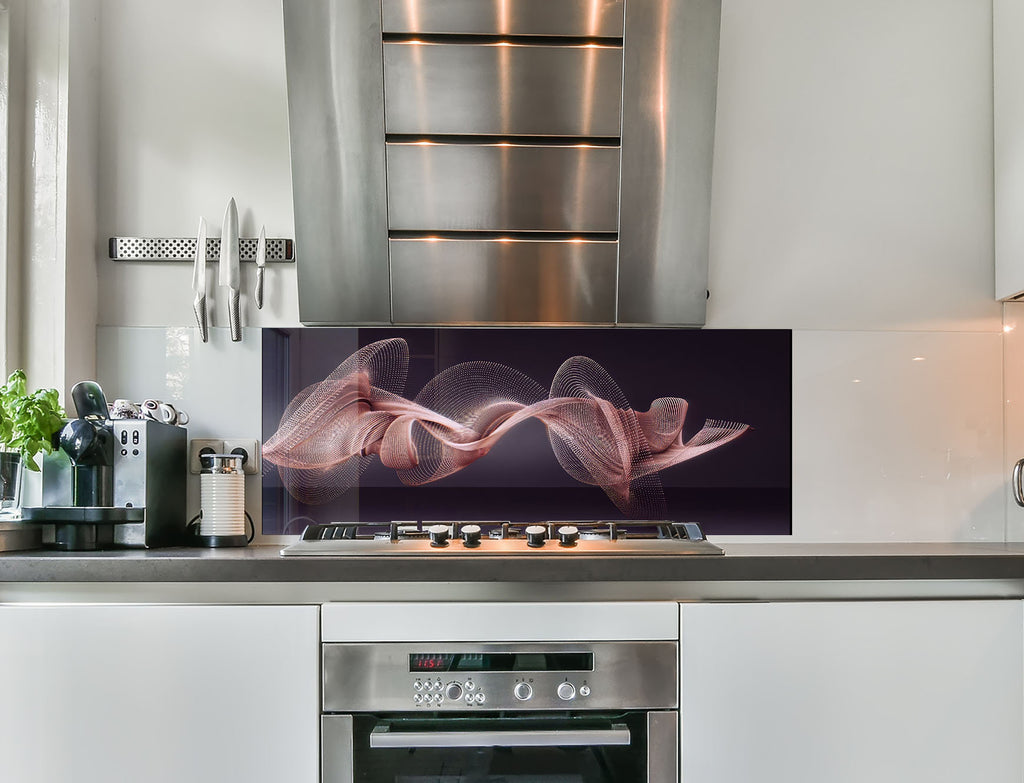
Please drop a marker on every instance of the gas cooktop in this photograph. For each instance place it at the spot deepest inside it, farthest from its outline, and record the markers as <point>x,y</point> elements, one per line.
<point>500,538</point>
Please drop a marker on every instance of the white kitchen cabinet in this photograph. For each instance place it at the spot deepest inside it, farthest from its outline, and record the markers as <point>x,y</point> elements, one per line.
<point>159,694</point>
<point>849,692</point>
<point>1008,149</point>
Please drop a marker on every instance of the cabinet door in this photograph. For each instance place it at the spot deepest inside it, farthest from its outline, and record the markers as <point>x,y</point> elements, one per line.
<point>852,692</point>
<point>160,694</point>
<point>1008,148</point>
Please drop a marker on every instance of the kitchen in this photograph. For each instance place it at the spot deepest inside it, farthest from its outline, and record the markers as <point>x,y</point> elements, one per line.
<point>852,203</point>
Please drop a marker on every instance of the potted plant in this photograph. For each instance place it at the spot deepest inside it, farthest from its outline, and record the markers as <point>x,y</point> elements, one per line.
<point>28,422</point>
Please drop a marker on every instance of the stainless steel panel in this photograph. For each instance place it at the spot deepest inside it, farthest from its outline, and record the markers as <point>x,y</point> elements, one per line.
<point>598,18</point>
<point>502,89</point>
<point>15,536</point>
<point>336,121</point>
<point>376,677</point>
<point>669,90</point>
<point>494,281</point>
<point>505,548</point>
<point>502,187</point>
<point>150,472</point>
<point>662,747</point>
<point>336,748</point>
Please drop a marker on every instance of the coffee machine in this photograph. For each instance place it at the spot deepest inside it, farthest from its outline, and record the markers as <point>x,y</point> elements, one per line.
<point>113,483</point>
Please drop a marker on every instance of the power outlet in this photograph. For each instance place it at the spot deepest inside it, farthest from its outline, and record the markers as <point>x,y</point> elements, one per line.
<point>199,446</point>
<point>249,449</point>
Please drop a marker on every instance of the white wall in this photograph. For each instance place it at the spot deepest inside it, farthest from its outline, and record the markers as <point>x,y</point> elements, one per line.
<point>852,203</point>
<point>194,112</point>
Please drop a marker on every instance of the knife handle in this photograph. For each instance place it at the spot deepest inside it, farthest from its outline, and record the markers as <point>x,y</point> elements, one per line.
<point>258,294</point>
<point>199,306</point>
<point>234,317</point>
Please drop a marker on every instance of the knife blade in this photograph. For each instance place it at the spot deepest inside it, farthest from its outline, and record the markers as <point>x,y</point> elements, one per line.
<point>261,262</point>
<point>229,274</point>
<point>199,282</point>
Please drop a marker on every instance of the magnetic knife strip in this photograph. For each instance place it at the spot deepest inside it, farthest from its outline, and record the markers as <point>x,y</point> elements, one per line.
<point>279,251</point>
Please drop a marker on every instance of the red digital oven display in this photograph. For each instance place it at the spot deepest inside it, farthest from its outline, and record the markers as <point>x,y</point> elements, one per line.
<point>431,662</point>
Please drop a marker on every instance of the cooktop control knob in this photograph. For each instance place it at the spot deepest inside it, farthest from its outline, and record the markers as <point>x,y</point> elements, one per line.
<point>522,691</point>
<point>470,535</point>
<point>438,535</point>
<point>568,535</point>
<point>453,691</point>
<point>566,691</point>
<point>535,535</point>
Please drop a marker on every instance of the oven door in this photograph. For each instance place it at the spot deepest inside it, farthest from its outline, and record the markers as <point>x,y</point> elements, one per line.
<point>630,747</point>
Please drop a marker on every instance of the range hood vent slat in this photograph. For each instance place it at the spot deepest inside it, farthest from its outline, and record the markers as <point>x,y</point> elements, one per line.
<point>512,236</point>
<point>490,39</point>
<point>505,17</point>
<point>532,140</point>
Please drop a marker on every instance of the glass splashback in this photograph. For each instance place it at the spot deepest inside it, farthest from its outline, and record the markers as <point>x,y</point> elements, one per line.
<point>381,424</point>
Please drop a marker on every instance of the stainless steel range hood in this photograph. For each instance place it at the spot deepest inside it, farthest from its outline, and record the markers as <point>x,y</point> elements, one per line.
<point>502,161</point>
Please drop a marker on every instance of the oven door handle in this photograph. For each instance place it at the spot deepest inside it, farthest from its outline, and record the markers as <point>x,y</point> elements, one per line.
<point>382,737</point>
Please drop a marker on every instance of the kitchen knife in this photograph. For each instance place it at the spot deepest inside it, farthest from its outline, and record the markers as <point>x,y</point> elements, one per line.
<point>229,275</point>
<point>261,262</point>
<point>199,281</point>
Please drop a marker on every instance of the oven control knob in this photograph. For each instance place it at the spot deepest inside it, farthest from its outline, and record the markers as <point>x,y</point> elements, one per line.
<point>535,535</point>
<point>522,691</point>
<point>438,535</point>
<point>470,535</point>
<point>568,535</point>
<point>453,691</point>
<point>566,691</point>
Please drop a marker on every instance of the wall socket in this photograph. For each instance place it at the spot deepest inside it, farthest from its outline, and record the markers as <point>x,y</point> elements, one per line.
<point>250,447</point>
<point>198,446</point>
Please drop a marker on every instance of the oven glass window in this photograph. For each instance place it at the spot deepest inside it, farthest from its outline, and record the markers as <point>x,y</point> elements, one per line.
<point>533,756</point>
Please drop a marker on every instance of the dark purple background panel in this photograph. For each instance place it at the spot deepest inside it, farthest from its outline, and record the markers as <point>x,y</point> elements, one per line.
<point>736,375</point>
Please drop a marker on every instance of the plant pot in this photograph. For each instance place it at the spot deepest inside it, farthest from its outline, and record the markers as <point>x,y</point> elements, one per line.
<point>11,469</point>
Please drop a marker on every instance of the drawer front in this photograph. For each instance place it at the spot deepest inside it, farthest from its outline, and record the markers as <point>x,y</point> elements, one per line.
<point>502,89</point>
<point>595,18</point>
<point>502,187</point>
<point>502,281</point>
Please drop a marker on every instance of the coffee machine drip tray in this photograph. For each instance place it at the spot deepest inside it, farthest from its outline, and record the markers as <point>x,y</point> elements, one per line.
<point>83,527</point>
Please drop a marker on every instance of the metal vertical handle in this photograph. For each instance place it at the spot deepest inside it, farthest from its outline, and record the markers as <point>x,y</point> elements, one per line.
<point>1018,489</point>
<point>663,747</point>
<point>234,316</point>
<point>199,307</point>
<point>258,293</point>
<point>336,749</point>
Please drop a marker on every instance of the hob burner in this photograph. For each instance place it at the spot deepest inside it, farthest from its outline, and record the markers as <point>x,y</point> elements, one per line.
<point>500,538</point>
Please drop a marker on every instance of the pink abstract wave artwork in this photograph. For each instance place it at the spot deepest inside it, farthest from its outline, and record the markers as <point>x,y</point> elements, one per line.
<point>332,429</point>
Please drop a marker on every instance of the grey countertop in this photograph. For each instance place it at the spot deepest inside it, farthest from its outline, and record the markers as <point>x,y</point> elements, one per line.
<point>741,563</point>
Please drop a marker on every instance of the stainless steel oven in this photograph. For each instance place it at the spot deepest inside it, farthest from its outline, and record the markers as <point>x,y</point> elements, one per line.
<point>518,712</point>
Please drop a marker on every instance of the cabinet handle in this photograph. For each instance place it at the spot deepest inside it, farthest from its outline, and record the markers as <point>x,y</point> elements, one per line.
<point>1018,489</point>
